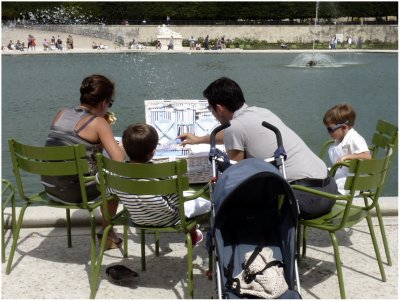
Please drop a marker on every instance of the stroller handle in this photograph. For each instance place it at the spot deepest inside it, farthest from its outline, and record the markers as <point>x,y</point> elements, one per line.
<point>275,130</point>
<point>215,131</point>
<point>280,153</point>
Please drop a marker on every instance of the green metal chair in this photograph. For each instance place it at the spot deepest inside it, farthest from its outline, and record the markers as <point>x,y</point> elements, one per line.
<point>7,198</point>
<point>384,144</point>
<point>367,176</point>
<point>121,176</point>
<point>51,161</point>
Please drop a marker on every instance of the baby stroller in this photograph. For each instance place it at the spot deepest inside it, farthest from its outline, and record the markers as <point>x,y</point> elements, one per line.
<point>253,209</point>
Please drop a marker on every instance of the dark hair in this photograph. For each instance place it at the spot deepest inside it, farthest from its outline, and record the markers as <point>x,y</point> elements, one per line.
<point>139,141</point>
<point>95,89</point>
<point>226,92</point>
<point>340,114</point>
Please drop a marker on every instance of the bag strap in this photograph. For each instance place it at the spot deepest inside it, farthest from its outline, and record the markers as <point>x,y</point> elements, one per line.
<point>228,272</point>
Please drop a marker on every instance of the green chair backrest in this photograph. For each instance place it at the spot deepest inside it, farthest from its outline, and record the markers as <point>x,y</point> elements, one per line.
<point>365,178</point>
<point>385,142</point>
<point>386,135</point>
<point>49,161</point>
<point>163,179</point>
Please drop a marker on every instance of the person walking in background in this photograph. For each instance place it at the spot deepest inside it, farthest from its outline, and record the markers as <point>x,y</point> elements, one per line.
<point>339,121</point>
<point>206,43</point>
<point>171,43</point>
<point>223,46</point>
<point>70,42</point>
<point>85,124</point>
<point>192,43</point>
<point>349,41</point>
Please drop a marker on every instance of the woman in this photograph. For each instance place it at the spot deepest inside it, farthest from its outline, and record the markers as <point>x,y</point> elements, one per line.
<point>85,124</point>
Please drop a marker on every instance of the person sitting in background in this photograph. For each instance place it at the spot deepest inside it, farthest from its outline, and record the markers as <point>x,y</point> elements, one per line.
<point>59,43</point>
<point>158,45</point>
<point>45,45</point>
<point>94,45</point>
<point>19,46</point>
<point>198,46</point>
<point>10,45</point>
<point>131,44</point>
<point>140,142</point>
<point>85,124</point>
<point>339,121</point>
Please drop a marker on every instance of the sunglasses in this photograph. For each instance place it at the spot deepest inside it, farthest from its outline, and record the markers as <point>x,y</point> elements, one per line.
<point>110,103</point>
<point>335,127</point>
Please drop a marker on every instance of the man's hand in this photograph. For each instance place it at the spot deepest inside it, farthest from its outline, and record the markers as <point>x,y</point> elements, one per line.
<point>189,138</point>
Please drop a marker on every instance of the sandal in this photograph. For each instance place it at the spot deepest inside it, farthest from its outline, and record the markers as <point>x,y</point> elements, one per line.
<point>113,241</point>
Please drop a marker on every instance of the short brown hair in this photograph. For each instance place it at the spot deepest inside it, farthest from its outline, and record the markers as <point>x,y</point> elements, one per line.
<point>96,88</point>
<point>139,141</point>
<point>340,114</point>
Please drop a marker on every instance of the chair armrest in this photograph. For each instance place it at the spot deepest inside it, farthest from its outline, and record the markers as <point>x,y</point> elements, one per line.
<point>197,193</point>
<point>321,193</point>
<point>336,166</point>
<point>90,178</point>
<point>324,148</point>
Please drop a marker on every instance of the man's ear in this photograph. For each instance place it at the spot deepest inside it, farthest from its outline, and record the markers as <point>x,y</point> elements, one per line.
<point>219,108</point>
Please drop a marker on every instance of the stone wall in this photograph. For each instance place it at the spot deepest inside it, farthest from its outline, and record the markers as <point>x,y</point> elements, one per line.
<point>272,34</point>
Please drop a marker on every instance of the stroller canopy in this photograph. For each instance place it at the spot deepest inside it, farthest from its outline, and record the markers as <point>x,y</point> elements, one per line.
<point>246,172</point>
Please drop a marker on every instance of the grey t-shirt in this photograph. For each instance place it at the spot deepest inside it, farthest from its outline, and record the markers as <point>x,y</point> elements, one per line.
<point>247,134</point>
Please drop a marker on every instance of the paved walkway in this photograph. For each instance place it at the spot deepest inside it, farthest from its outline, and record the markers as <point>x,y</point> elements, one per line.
<point>44,268</point>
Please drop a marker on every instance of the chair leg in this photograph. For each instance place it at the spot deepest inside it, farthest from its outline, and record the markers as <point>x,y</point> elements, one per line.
<point>3,238</point>
<point>298,245</point>
<point>142,248</point>
<point>338,264</point>
<point>69,235</point>
<point>383,233</point>
<point>97,265</point>
<point>303,255</point>
<point>15,238</point>
<point>125,252</point>
<point>376,248</point>
<point>92,242</point>
<point>190,264</point>
<point>157,243</point>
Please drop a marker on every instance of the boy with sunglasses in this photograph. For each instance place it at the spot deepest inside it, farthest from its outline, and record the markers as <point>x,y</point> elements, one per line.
<point>339,121</point>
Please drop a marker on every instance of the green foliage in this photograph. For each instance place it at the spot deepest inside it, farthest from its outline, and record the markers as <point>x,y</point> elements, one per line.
<point>114,12</point>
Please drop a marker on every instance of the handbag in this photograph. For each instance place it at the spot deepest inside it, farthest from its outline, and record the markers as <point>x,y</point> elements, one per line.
<point>262,275</point>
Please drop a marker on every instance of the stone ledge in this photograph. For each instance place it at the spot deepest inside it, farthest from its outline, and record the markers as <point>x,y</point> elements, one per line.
<point>40,217</point>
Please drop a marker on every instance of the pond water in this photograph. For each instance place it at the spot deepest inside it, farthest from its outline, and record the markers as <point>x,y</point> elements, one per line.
<point>34,87</point>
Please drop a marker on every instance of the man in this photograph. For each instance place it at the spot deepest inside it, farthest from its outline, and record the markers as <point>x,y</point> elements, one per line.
<point>247,138</point>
